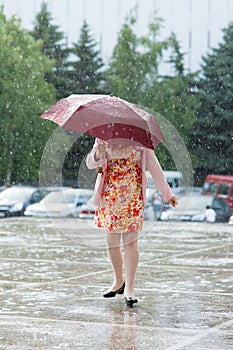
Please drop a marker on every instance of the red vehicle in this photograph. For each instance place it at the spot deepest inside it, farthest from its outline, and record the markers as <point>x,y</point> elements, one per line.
<point>219,186</point>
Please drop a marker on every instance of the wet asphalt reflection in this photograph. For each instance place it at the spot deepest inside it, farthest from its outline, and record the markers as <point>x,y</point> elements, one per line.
<point>53,274</point>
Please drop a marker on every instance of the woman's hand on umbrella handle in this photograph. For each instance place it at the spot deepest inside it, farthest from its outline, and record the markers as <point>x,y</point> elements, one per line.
<point>173,201</point>
<point>101,149</point>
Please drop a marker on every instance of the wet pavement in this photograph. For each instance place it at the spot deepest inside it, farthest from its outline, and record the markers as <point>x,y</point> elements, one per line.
<point>53,274</point>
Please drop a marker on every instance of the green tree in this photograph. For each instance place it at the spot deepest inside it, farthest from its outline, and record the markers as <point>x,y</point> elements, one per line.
<point>211,136</point>
<point>24,96</point>
<point>176,56</point>
<point>85,68</point>
<point>54,47</point>
<point>134,60</point>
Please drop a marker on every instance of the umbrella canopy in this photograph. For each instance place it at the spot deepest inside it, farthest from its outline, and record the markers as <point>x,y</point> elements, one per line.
<point>108,118</point>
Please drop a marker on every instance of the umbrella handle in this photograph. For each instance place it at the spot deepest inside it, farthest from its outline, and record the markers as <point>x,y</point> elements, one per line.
<point>99,170</point>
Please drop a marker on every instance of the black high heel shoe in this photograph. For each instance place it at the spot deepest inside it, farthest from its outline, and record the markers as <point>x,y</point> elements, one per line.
<point>130,301</point>
<point>112,294</point>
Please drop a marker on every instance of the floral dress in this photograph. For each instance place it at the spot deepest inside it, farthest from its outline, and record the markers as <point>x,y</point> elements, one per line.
<point>121,207</point>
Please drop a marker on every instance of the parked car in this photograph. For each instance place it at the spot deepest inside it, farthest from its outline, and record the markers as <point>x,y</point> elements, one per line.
<point>65,203</point>
<point>193,207</point>
<point>14,200</point>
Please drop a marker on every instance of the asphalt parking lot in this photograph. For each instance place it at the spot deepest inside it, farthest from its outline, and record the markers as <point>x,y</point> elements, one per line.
<point>53,274</point>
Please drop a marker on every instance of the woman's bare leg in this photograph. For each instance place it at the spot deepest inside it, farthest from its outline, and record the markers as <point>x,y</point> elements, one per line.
<point>116,258</point>
<point>131,258</point>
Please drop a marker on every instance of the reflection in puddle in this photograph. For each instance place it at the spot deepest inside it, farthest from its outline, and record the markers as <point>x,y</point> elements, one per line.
<point>126,326</point>
<point>123,330</point>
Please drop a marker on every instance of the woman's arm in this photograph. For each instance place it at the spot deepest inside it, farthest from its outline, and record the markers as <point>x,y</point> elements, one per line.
<point>157,174</point>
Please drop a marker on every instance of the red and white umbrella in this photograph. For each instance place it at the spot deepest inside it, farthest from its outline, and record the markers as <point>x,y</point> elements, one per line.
<point>106,117</point>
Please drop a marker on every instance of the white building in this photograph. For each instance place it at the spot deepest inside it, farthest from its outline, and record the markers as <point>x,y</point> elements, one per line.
<point>198,24</point>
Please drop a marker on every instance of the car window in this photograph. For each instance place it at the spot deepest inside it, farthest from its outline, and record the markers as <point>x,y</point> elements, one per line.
<point>213,187</point>
<point>44,193</point>
<point>206,187</point>
<point>36,197</point>
<point>224,188</point>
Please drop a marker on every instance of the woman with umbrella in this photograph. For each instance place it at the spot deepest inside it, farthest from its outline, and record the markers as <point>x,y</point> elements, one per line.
<point>120,199</point>
<point>120,192</point>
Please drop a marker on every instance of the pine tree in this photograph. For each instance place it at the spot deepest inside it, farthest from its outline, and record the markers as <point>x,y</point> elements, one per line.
<point>54,47</point>
<point>211,138</point>
<point>85,68</point>
<point>134,62</point>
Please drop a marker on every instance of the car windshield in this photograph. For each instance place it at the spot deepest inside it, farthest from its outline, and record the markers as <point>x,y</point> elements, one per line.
<point>17,194</point>
<point>60,197</point>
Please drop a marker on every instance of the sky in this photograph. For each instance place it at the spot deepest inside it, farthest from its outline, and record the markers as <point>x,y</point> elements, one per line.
<point>198,24</point>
